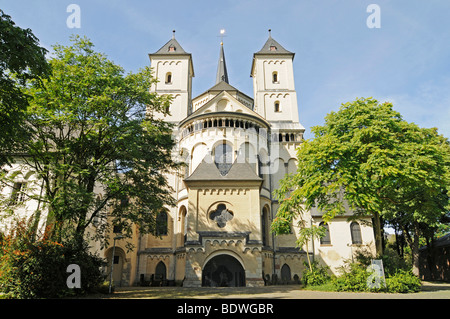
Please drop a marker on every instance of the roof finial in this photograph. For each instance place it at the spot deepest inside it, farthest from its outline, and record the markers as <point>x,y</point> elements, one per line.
<point>173,34</point>
<point>270,33</point>
<point>222,34</point>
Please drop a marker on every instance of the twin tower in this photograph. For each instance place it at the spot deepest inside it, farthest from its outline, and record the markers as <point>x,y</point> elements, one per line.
<point>275,97</point>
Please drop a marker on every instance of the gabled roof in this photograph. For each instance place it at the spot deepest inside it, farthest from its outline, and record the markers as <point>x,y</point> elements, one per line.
<point>224,93</point>
<point>222,86</point>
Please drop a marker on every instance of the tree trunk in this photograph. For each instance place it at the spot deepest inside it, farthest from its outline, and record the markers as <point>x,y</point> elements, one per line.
<point>378,235</point>
<point>307,256</point>
<point>415,251</point>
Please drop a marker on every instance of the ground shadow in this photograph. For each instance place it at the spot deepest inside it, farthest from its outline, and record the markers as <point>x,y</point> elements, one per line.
<point>201,292</point>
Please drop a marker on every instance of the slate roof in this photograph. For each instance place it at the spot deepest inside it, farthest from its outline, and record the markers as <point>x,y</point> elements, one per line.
<point>273,47</point>
<point>440,242</point>
<point>208,171</point>
<point>222,86</point>
<point>165,49</point>
<point>222,74</point>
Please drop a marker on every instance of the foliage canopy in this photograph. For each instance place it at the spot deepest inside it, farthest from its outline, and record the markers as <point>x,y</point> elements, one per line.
<point>367,156</point>
<point>95,145</point>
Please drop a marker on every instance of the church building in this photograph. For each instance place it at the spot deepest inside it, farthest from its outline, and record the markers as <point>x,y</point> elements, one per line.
<point>237,148</point>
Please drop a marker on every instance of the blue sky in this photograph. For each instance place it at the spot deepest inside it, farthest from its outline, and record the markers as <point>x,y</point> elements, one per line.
<point>337,57</point>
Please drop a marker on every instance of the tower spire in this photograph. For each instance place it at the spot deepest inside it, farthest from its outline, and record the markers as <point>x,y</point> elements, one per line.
<point>222,74</point>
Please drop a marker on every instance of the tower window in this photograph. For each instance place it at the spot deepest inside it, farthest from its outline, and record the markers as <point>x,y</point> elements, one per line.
<point>275,77</point>
<point>169,78</point>
<point>273,48</point>
<point>277,106</point>
<point>172,48</point>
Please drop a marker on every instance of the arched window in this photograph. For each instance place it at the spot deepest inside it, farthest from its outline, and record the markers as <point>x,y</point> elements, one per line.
<point>325,240</point>
<point>161,223</point>
<point>169,78</point>
<point>275,77</point>
<point>277,106</point>
<point>264,223</point>
<point>183,218</point>
<point>355,231</point>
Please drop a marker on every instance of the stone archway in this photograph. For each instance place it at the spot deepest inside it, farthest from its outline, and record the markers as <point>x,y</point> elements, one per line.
<point>223,271</point>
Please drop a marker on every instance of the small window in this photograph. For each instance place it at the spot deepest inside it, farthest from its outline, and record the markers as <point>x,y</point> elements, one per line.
<point>273,48</point>
<point>325,240</point>
<point>277,106</point>
<point>18,195</point>
<point>172,48</point>
<point>275,77</point>
<point>355,230</point>
<point>169,78</point>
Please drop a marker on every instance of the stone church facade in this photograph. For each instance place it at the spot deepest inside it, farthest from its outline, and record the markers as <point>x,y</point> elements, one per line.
<point>237,148</point>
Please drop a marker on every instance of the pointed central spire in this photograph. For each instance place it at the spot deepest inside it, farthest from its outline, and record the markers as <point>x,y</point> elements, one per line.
<point>222,74</point>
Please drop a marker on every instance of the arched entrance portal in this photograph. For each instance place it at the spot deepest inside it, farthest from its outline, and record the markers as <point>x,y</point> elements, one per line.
<point>223,271</point>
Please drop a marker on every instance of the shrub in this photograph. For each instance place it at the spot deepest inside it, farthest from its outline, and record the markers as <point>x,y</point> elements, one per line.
<point>32,268</point>
<point>354,278</point>
<point>403,282</point>
<point>317,276</point>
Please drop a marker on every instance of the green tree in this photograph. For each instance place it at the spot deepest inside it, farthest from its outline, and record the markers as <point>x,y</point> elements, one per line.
<point>368,156</point>
<point>93,132</point>
<point>292,208</point>
<point>21,59</point>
